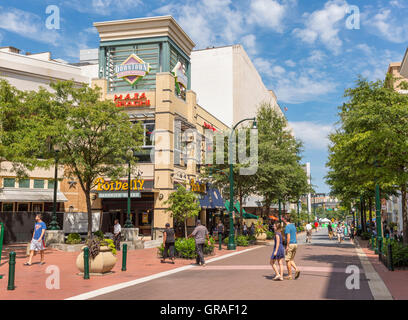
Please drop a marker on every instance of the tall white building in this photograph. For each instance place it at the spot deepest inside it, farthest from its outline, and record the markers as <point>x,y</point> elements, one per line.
<point>228,84</point>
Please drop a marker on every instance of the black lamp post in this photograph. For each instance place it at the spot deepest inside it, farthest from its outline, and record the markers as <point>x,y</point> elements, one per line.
<point>128,223</point>
<point>54,224</point>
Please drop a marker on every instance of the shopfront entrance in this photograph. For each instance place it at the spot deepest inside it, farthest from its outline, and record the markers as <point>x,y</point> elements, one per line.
<point>141,213</point>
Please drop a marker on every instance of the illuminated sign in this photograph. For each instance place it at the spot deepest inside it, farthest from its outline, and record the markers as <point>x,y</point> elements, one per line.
<point>180,75</point>
<point>209,126</point>
<point>197,186</point>
<point>103,185</point>
<point>132,69</point>
<point>129,101</point>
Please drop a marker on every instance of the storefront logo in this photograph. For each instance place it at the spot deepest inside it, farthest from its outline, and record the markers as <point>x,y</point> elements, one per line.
<point>180,75</point>
<point>103,185</point>
<point>198,186</point>
<point>129,101</point>
<point>132,69</point>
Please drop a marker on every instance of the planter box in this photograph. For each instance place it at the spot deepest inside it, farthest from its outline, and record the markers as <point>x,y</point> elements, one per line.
<point>103,262</point>
<point>152,244</point>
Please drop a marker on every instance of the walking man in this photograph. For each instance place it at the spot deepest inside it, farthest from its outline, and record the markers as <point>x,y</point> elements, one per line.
<point>330,228</point>
<point>309,233</point>
<point>37,242</point>
<point>291,247</point>
<point>168,243</point>
<point>200,233</point>
<point>220,230</point>
<point>117,232</point>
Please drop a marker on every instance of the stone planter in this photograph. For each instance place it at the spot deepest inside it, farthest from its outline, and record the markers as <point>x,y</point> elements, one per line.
<point>103,262</point>
<point>261,236</point>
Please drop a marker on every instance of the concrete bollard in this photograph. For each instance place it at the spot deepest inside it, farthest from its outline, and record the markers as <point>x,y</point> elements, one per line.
<point>124,254</point>
<point>12,269</point>
<point>86,263</point>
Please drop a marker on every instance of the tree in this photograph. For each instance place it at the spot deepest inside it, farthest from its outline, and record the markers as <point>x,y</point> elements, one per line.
<point>371,145</point>
<point>183,204</point>
<point>280,174</point>
<point>94,137</point>
<point>218,174</point>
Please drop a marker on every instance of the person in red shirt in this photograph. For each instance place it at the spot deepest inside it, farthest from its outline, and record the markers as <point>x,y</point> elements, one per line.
<point>316,225</point>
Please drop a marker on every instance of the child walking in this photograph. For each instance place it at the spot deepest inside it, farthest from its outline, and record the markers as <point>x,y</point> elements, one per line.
<point>278,253</point>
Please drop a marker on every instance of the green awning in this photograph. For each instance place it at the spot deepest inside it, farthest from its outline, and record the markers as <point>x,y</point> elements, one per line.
<point>245,214</point>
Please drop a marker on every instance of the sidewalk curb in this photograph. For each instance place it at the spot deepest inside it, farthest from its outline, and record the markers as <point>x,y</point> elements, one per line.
<point>377,286</point>
<point>119,286</point>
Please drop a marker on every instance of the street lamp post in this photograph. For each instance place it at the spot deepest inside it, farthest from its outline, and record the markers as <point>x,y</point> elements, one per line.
<point>128,223</point>
<point>231,239</point>
<point>54,224</point>
<point>280,210</point>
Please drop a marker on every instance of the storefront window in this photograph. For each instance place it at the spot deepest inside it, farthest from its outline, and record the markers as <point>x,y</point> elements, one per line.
<point>38,184</point>
<point>7,207</point>
<point>9,183</point>
<point>50,184</point>
<point>22,207</point>
<point>24,183</point>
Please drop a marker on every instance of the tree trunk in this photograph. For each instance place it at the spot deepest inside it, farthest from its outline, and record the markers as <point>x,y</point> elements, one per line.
<point>404,213</point>
<point>370,203</point>
<point>89,209</point>
<point>185,228</point>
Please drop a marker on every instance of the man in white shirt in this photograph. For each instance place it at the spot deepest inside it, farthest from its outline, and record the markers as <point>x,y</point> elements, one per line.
<point>309,233</point>
<point>117,229</point>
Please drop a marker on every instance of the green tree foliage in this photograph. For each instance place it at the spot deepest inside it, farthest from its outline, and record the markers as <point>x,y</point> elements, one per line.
<point>183,204</point>
<point>280,174</point>
<point>371,144</point>
<point>93,136</point>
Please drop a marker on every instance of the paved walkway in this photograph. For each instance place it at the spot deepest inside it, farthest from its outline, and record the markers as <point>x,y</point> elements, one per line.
<point>30,281</point>
<point>245,274</point>
<point>249,276</point>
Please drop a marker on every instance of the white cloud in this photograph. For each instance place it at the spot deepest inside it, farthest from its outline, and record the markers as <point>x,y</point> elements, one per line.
<point>388,27</point>
<point>316,56</point>
<point>299,88</point>
<point>397,4</point>
<point>103,7</point>
<point>290,63</point>
<point>324,25</point>
<point>268,13</point>
<point>314,135</point>
<point>268,67</point>
<point>27,25</point>
<point>249,43</point>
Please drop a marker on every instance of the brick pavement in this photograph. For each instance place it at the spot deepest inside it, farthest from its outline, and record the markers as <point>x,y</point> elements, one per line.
<point>396,281</point>
<point>248,276</point>
<point>30,281</point>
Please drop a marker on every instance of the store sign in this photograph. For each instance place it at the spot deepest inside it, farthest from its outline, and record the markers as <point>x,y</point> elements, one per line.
<point>129,101</point>
<point>103,185</point>
<point>180,75</point>
<point>209,126</point>
<point>118,195</point>
<point>132,69</point>
<point>198,186</point>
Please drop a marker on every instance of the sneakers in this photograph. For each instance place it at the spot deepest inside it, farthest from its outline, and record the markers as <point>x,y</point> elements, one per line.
<point>297,274</point>
<point>278,278</point>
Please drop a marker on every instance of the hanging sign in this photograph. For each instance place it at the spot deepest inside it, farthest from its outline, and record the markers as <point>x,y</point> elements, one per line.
<point>132,69</point>
<point>180,76</point>
<point>102,185</point>
<point>129,101</point>
<point>198,186</point>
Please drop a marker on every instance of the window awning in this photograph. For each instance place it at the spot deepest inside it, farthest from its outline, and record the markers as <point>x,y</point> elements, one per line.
<point>205,202</point>
<point>216,198</point>
<point>30,195</point>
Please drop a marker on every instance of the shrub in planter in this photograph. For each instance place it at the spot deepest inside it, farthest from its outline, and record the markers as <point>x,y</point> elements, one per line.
<point>73,238</point>
<point>365,236</point>
<point>185,248</point>
<point>242,241</point>
<point>270,235</point>
<point>99,234</point>
<point>209,249</point>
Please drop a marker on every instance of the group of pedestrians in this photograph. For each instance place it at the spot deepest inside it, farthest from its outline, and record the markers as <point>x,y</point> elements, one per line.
<point>341,231</point>
<point>284,250</point>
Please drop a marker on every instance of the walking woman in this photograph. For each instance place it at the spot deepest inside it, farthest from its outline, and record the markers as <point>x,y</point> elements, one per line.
<point>278,253</point>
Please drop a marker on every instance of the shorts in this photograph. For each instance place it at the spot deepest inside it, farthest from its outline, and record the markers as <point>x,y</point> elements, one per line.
<point>290,255</point>
<point>37,245</point>
<point>309,233</point>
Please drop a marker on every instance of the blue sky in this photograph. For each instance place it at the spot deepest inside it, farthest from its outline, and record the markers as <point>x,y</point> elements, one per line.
<point>304,49</point>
